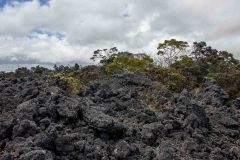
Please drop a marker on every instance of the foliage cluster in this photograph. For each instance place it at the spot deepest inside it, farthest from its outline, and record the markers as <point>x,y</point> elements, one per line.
<point>171,50</point>
<point>73,79</point>
<point>221,65</point>
<point>104,56</point>
<point>182,70</point>
<point>23,72</point>
<point>123,62</point>
<point>230,81</point>
<point>69,78</point>
<point>170,77</point>
<point>67,83</point>
<point>157,96</point>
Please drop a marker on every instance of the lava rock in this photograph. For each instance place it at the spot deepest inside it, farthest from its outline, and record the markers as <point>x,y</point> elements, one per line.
<point>110,120</point>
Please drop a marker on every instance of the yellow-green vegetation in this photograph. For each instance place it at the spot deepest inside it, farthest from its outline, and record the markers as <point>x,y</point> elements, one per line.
<point>212,75</point>
<point>192,72</point>
<point>171,49</point>
<point>131,64</point>
<point>10,75</point>
<point>74,79</point>
<point>170,77</point>
<point>89,73</point>
<point>22,72</point>
<point>150,96</point>
<point>229,81</point>
<point>68,83</point>
<point>159,107</point>
<point>179,70</point>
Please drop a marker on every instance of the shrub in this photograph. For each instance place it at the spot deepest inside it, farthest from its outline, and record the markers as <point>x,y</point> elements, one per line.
<point>156,97</point>
<point>40,70</point>
<point>170,77</point>
<point>89,73</point>
<point>22,72</point>
<point>229,81</point>
<point>67,83</point>
<point>122,62</point>
<point>191,70</point>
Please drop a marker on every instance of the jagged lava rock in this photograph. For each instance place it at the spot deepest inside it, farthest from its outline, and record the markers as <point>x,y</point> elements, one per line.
<point>110,121</point>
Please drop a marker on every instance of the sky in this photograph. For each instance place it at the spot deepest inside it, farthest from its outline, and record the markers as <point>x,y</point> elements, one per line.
<point>57,31</point>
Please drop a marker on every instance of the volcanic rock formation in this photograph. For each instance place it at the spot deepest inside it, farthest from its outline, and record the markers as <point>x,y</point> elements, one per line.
<point>110,121</point>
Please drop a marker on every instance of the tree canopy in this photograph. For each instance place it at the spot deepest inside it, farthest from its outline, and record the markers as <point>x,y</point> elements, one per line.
<point>171,50</point>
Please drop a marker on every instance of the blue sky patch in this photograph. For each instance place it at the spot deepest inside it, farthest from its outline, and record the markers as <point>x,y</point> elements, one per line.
<point>35,31</point>
<point>6,2</point>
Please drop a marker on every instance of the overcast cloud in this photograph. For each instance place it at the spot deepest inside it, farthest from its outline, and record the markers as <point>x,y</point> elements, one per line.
<point>70,30</point>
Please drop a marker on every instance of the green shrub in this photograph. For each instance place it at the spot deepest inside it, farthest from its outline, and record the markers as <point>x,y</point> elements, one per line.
<point>67,83</point>
<point>229,81</point>
<point>38,70</point>
<point>122,62</point>
<point>170,77</point>
<point>151,97</point>
<point>212,75</point>
<point>191,70</point>
<point>89,73</point>
<point>22,72</point>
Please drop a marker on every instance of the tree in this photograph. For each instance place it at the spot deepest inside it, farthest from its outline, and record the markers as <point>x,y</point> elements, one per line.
<point>229,81</point>
<point>22,72</point>
<point>39,70</point>
<point>105,56</point>
<point>198,49</point>
<point>171,50</point>
<point>212,59</point>
<point>228,57</point>
<point>59,68</point>
<point>169,77</point>
<point>124,62</point>
<point>189,68</point>
<point>76,67</point>
<point>55,67</point>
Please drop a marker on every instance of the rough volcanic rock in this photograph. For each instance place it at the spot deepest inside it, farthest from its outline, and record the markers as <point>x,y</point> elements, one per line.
<point>110,121</point>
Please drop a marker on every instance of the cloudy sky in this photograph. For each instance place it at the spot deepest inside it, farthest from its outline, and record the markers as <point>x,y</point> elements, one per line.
<point>70,30</point>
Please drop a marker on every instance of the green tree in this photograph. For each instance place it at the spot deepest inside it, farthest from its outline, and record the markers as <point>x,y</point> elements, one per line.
<point>39,70</point>
<point>104,56</point>
<point>22,72</point>
<point>199,49</point>
<point>169,77</point>
<point>229,81</point>
<point>189,68</point>
<point>76,66</point>
<point>171,50</point>
<point>123,62</point>
<point>212,59</point>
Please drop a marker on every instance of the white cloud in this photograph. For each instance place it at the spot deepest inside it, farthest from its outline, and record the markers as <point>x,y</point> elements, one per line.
<point>42,48</point>
<point>133,25</point>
